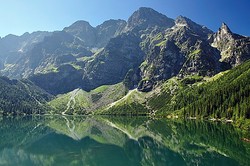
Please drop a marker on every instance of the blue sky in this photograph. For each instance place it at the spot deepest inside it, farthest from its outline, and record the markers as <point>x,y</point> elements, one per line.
<point>19,16</point>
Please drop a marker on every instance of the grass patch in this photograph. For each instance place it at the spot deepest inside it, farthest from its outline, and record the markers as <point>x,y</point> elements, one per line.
<point>143,64</point>
<point>100,89</point>
<point>195,52</point>
<point>162,43</point>
<point>192,79</point>
<point>77,67</point>
<point>50,68</point>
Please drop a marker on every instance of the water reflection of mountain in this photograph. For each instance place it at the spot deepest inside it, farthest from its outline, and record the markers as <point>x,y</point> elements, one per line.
<point>65,140</point>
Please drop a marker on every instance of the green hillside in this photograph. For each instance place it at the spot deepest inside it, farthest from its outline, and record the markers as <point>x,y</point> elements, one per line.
<point>81,102</point>
<point>133,103</point>
<point>227,96</point>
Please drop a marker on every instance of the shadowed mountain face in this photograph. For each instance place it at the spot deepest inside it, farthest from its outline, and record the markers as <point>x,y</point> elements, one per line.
<point>145,50</point>
<point>96,37</point>
<point>63,140</point>
<point>12,47</point>
<point>42,52</point>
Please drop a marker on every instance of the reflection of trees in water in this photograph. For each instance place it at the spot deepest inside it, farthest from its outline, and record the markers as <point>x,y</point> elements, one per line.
<point>201,141</point>
<point>21,131</point>
<point>196,141</point>
<point>132,141</point>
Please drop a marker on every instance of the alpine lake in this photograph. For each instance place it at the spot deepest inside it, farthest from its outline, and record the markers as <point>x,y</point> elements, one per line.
<point>119,141</point>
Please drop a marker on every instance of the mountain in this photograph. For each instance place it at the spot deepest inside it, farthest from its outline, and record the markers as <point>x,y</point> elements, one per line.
<point>122,52</point>
<point>57,49</point>
<point>14,47</point>
<point>147,49</point>
<point>111,65</point>
<point>95,37</point>
<point>43,52</point>
<point>154,64</point>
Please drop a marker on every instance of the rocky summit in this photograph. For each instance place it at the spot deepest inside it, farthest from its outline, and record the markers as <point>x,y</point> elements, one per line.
<point>142,52</point>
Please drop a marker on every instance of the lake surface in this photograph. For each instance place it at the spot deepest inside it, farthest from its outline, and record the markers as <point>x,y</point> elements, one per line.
<point>118,141</point>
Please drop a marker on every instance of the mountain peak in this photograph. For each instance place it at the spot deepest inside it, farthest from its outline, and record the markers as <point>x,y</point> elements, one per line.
<point>145,9</point>
<point>225,29</point>
<point>145,18</point>
<point>182,19</point>
<point>83,30</point>
<point>78,25</point>
<point>144,13</point>
<point>111,22</point>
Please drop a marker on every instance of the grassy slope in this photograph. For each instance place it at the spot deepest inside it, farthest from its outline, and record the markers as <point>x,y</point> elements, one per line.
<point>131,104</point>
<point>82,102</point>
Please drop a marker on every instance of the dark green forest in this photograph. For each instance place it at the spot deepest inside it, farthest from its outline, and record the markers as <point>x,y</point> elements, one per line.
<point>226,97</point>
<point>21,97</point>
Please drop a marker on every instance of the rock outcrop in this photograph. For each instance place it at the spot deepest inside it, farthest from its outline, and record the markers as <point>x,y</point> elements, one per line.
<point>234,48</point>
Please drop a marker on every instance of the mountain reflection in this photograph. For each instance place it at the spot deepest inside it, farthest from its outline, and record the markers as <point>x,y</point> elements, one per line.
<point>79,140</point>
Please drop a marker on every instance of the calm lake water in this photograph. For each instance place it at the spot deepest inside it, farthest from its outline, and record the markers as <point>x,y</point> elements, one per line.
<point>118,141</point>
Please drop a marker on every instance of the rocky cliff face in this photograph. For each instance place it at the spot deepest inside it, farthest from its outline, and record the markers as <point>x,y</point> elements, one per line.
<point>181,50</point>
<point>163,61</point>
<point>48,55</point>
<point>112,64</point>
<point>107,30</point>
<point>124,52</point>
<point>65,79</point>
